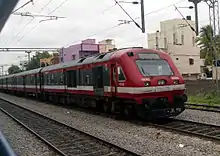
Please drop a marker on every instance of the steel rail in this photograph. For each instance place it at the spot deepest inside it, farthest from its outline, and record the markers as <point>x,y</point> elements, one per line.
<point>204,130</point>
<point>106,148</point>
<point>203,107</point>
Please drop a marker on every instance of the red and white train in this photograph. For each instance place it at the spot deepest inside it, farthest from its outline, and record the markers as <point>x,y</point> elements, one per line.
<point>131,81</point>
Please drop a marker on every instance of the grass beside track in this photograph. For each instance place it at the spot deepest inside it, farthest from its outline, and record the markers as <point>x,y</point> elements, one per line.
<point>210,99</point>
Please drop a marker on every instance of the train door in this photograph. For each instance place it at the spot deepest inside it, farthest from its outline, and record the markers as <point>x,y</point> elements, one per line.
<point>98,84</point>
<point>41,83</point>
<point>24,83</point>
<point>64,80</point>
<point>113,79</point>
<point>36,82</point>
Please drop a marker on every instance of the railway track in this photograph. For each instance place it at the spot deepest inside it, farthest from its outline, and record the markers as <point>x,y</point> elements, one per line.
<point>203,107</point>
<point>207,131</point>
<point>62,138</point>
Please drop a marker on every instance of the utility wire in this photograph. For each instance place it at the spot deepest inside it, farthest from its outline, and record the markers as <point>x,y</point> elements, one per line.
<point>35,26</point>
<point>116,26</point>
<point>22,6</point>
<point>185,19</point>
<point>128,14</point>
<point>158,10</point>
<point>29,22</point>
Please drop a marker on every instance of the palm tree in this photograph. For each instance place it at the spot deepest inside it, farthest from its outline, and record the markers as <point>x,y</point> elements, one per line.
<point>204,41</point>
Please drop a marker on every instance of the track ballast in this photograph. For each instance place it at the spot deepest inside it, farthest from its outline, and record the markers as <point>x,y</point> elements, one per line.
<point>190,127</point>
<point>64,139</point>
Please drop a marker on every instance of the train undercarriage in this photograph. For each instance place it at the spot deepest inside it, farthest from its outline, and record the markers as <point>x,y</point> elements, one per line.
<point>151,108</point>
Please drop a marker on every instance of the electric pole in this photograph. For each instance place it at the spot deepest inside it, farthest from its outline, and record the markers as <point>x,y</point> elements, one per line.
<point>157,40</point>
<point>196,2</point>
<point>142,17</point>
<point>142,27</point>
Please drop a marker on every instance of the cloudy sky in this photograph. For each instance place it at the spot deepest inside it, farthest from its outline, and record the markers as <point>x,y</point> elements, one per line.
<point>86,19</point>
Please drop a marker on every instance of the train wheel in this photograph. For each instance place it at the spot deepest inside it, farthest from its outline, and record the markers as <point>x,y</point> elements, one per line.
<point>127,111</point>
<point>106,107</point>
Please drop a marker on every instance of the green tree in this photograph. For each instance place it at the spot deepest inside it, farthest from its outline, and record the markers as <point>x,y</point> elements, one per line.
<point>35,60</point>
<point>204,41</point>
<point>14,69</point>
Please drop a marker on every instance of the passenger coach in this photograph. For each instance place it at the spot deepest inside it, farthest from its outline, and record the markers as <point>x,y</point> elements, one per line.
<point>130,80</point>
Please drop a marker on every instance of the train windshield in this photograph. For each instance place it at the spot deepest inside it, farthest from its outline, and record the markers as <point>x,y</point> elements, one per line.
<point>155,67</point>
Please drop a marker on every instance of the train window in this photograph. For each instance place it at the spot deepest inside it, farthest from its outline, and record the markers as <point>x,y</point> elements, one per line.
<point>154,67</point>
<point>32,82</point>
<point>38,79</point>
<point>56,79</point>
<point>121,76</point>
<point>61,78</point>
<point>45,79</point>
<point>49,79</point>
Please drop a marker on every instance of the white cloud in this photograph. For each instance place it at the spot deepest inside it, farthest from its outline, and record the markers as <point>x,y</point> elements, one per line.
<point>85,18</point>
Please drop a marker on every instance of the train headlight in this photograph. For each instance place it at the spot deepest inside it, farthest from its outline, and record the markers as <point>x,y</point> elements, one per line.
<point>176,82</point>
<point>161,82</point>
<point>146,84</point>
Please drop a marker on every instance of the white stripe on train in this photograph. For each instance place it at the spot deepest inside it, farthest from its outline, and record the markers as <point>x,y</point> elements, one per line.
<point>130,90</point>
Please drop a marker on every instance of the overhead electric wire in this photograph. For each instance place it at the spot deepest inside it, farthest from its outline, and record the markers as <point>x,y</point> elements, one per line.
<point>38,23</point>
<point>22,6</point>
<point>158,10</point>
<point>128,15</point>
<point>29,22</point>
<point>113,27</point>
<point>185,19</point>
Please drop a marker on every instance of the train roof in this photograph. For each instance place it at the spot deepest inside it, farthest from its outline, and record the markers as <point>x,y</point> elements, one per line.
<point>33,71</point>
<point>101,57</point>
<point>82,61</point>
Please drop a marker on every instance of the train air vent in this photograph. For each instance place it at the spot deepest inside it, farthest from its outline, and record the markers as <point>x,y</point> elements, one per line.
<point>101,56</point>
<point>81,60</point>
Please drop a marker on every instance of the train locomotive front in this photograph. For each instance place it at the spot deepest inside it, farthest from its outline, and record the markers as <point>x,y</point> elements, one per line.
<point>154,82</point>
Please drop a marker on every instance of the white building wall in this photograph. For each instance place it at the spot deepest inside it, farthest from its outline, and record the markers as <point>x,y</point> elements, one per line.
<point>106,45</point>
<point>178,40</point>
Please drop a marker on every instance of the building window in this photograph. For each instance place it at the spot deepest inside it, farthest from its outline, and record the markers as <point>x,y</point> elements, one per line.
<point>191,61</point>
<point>73,57</point>
<point>193,41</point>
<point>182,39</point>
<point>165,43</point>
<point>174,38</point>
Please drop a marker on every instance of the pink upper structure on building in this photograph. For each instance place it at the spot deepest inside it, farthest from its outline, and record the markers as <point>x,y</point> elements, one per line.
<point>86,48</point>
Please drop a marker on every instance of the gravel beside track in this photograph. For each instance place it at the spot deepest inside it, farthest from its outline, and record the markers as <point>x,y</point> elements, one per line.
<point>144,140</point>
<point>64,139</point>
<point>22,141</point>
<point>200,116</point>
